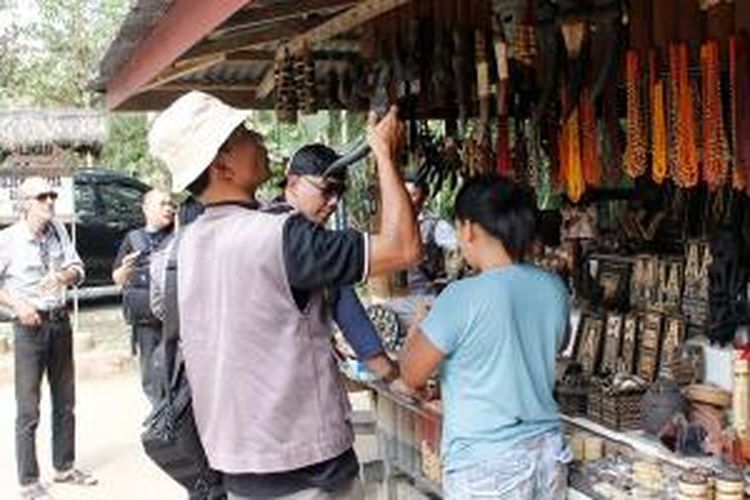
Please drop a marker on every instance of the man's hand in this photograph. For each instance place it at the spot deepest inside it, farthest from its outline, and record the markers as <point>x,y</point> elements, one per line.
<point>128,262</point>
<point>385,136</point>
<point>51,283</point>
<point>122,274</point>
<point>383,367</point>
<point>421,312</point>
<point>26,313</point>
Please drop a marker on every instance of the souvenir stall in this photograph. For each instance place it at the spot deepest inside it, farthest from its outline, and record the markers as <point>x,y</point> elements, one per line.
<point>630,120</point>
<point>633,140</point>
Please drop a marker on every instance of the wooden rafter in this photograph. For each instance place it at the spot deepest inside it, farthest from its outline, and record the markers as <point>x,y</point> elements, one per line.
<point>181,69</point>
<point>161,98</point>
<point>252,39</point>
<point>356,16</point>
<point>185,22</point>
<point>208,87</point>
<point>253,16</point>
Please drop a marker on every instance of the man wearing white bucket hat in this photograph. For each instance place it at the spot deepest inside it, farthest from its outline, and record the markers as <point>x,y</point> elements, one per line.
<point>268,400</point>
<point>37,263</point>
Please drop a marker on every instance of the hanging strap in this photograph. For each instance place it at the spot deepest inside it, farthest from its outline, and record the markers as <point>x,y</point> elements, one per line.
<point>171,324</point>
<point>139,240</point>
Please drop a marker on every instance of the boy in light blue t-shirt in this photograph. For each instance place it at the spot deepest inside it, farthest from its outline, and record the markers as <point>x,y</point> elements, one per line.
<point>494,338</point>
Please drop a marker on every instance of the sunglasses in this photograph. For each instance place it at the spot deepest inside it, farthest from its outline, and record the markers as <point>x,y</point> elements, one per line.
<point>327,189</point>
<point>42,197</point>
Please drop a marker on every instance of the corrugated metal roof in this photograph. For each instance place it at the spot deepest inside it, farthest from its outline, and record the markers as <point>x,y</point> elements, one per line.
<point>139,22</point>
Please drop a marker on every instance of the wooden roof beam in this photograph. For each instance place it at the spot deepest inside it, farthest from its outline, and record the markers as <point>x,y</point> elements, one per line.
<point>249,40</point>
<point>362,13</point>
<point>253,16</point>
<point>157,99</point>
<point>184,23</point>
<point>181,69</point>
<point>208,87</point>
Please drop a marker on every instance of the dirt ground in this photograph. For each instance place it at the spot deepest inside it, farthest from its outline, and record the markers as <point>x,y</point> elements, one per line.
<point>110,409</point>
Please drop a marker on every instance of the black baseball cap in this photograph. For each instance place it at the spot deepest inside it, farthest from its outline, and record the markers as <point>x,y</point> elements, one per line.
<point>314,159</point>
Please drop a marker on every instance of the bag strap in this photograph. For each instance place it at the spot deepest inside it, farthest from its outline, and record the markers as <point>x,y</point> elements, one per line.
<point>171,323</point>
<point>139,240</point>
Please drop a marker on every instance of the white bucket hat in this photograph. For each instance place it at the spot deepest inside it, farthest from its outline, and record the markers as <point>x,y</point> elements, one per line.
<point>188,134</point>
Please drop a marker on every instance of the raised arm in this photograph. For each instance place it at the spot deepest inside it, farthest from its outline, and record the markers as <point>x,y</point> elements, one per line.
<point>398,245</point>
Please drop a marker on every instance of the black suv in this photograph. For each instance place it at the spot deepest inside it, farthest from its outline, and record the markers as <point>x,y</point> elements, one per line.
<point>108,205</point>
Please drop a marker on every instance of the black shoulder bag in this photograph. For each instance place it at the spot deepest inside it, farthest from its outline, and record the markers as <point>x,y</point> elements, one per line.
<point>171,437</point>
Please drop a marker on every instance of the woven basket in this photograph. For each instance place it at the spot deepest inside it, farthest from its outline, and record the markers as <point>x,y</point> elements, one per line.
<point>616,410</point>
<point>573,401</point>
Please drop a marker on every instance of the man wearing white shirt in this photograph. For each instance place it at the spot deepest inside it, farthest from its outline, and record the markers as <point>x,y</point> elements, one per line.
<point>37,263</point>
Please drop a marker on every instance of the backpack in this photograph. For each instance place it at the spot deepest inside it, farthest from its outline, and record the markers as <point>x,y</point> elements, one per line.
<point>135,295</point>
<point>171,437</point>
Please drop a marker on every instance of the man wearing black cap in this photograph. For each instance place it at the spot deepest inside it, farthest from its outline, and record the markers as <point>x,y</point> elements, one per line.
<point>315,196</point>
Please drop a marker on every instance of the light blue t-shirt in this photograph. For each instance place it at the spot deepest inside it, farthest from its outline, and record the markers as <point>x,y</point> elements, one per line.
<point>500,332</point>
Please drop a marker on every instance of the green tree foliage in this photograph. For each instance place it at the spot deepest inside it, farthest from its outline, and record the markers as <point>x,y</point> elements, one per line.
<point>126,149</point>
<point>51,49</point>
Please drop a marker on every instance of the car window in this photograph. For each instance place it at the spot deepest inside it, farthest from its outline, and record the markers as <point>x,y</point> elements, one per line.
<point>121,201</point>
<point>85,200</point>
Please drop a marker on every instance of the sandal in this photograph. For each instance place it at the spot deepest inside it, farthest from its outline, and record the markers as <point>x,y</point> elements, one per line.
<point>75,476</point>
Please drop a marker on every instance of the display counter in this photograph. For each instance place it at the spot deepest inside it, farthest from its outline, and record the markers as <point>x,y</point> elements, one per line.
<point>627,464</point>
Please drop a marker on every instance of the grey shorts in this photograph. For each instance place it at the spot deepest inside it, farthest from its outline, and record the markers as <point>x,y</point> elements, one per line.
<point>534,470</point>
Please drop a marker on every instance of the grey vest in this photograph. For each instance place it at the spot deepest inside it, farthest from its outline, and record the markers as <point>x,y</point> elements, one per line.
<point>267,394</point>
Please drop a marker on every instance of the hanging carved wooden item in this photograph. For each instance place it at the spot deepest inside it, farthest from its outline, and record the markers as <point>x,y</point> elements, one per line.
<point>659,164</point>
<point>695,292</point>
<point>605,44</point>
<point>664,19</point>
<point>629,344</point>
<point>687,161</point>
<point>571,170</point>
<point>644,282</point>
<point>704,281</point>
<point>635,151</point>
<point>649,345</point>
<point>719,22</point>
<point>517,20</point>
<point>741,17</point>
<point>306,83</point>
<point>592,171</point>
<point>286,89</point>
<point>574,33</point>
<point>673,293</point>
<point>715,154</point>
<point>739,85</point>
<point>674,336</point>
<point>639,17</point>
<point>504,166</point>
<point>612,343</point>
<point>591,338</point>
<point>690,21</point>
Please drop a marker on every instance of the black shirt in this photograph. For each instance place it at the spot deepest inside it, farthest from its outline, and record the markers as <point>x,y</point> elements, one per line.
<point>154,240</point>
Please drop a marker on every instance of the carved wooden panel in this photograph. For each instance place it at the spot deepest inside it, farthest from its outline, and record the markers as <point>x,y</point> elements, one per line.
<point>612,343</point>
<point>649,344</point>
<point>629,343</point>
<point>590,346</point>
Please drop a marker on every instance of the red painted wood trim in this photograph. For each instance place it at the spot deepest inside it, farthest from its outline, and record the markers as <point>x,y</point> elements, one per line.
<point>183,25</point>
